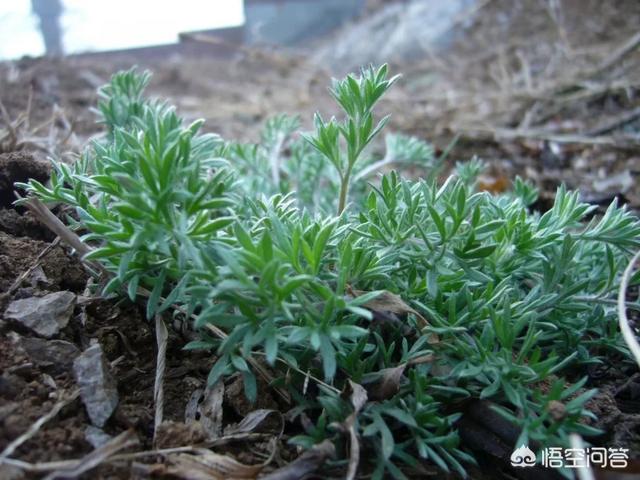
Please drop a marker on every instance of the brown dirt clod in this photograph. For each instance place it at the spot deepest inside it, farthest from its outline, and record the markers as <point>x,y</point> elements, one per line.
<point>19,167</point>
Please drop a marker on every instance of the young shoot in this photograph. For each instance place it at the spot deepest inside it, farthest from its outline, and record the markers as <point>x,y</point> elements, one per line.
<point>356,96</point>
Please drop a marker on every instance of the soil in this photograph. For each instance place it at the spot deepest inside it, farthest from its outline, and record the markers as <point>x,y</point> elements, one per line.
<point>19,167</point>
<point>235,97</point>
<point>29,387</point>
<point>28,390</point>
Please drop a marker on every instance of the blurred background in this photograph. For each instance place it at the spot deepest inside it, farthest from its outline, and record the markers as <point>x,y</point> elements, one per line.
<point>544,89</point>
<point>36,27</point>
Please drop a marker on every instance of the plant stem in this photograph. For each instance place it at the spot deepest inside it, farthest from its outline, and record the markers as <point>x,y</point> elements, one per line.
<point>344,190</point>
<point>606,301</point>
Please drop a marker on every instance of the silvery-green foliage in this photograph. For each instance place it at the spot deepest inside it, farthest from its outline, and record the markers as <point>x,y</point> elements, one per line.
<point>244,236</point>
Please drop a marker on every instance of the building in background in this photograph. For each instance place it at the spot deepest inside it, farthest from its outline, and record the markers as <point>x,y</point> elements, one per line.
<point>49,13</point>
<point>294,22</point>
<point>54,27</point>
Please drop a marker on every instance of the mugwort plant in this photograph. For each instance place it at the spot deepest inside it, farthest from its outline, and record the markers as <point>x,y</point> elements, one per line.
<point>312,263</point>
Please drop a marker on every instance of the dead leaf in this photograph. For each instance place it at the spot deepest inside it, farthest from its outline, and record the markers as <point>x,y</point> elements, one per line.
<point>358,400</point>
<point>191,410</point>
<point>388,302</point>
<point>208,411</point>
<point>388,383</point>
<point>207,465</point>
<point>253,420</point>
<point>387,323</point>
<point>305,464</point>
<point>358,396</point>
<point>210,466</point>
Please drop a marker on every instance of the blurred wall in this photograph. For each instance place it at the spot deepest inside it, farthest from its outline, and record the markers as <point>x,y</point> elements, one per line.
<point>291,22</point>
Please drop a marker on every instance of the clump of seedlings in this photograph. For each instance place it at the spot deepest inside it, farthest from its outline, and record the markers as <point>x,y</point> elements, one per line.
<point>388,311</point>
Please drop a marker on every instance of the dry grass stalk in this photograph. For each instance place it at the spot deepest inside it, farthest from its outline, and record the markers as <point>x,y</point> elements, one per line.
<point>627,332</point>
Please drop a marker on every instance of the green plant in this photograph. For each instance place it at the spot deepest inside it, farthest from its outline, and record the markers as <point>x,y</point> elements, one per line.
<point>150,195</point>
<point>428,295</point>
<point>356,96</point>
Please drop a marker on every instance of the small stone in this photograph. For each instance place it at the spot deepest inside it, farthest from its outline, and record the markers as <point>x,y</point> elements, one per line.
<point>24,292</point>
<point>49,382</point>
<point>96,436</point>
<point>58,355</point>
<point>98,388</point>
<point>39,278</point>
<point>44,315</point>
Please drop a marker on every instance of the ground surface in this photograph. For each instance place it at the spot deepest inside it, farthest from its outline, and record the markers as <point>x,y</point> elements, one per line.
<point>500,113</point>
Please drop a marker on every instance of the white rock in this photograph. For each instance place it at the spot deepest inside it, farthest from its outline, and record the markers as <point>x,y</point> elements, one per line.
<point>96,436</point>
<point>58,355</point>
<point>46,315</point>
<point>98,388</point>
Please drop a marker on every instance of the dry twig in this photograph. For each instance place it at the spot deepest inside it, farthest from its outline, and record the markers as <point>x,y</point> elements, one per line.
<point>627,332</point>
<point>158,393</point>
<point>305,464</point>
<point>54,224</point>
<point>96,457</point>
<point>618,54</point>
<point>495,133</point>
<point>614,123</point>
<point>358,400</point>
